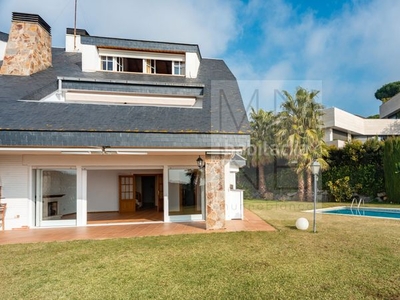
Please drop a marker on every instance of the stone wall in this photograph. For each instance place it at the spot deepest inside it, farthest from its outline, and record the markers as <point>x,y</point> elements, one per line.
<point>215,191</point>
<point>28,49</point>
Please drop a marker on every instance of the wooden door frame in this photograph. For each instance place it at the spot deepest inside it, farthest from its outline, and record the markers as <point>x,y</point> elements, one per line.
<point>159,195</point>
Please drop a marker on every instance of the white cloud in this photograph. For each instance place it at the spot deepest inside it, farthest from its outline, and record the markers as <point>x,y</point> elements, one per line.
<point>211,24</point>
<point>353,53</point>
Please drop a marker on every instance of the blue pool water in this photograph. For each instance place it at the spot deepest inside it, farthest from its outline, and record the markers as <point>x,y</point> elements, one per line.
<point>386,213</point>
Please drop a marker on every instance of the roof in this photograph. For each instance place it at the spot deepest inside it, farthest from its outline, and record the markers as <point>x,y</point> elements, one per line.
<point>111,42</point>
<point>222,112</point>
<point>139,45</point>
<point>3,36</point>
<point>238,161</point>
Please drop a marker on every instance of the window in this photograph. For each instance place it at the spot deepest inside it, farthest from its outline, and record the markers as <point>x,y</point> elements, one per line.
<point>107,63</point>
<point>140,65</point>
<point>119,64</point>
<point>163,67</point>
<point>179,68</point>
<point>133,65</point>
<point>394,116</point>
<point>340,135</point>
<point>150,66</point>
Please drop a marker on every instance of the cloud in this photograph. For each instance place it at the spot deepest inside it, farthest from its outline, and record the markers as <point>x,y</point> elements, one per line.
<point>352,52</point>
<point>211,24</point>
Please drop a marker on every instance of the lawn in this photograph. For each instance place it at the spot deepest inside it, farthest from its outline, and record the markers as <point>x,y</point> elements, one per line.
<point>348,258</point>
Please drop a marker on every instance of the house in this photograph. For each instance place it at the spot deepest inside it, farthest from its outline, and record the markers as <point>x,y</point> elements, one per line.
<point>341,126</point>
<point>120,127</point>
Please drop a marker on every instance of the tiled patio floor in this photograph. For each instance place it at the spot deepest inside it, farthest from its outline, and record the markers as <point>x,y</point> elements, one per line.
<point>251,222</point>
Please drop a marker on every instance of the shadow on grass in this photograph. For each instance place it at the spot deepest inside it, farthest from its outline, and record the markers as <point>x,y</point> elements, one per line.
<point>291,227</point>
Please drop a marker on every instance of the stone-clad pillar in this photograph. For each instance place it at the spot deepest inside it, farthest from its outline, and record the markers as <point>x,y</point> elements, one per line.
<point>215,191</point>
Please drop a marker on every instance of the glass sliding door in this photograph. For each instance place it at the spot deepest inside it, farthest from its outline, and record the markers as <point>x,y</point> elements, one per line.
<point>185,194</point>
<point>56,197</point>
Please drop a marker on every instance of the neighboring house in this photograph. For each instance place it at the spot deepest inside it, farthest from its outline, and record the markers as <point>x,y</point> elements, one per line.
<point>112,125</point>
<point>341,126</point>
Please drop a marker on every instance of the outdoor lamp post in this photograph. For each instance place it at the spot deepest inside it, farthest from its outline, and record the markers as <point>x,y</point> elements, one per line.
<point>200,162</point>
<point>315,167</point>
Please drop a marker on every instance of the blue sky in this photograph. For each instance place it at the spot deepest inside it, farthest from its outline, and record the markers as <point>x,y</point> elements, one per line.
<point>344,49</point>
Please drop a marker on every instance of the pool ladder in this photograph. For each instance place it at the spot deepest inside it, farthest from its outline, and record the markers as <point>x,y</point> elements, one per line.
<point>354,201</point>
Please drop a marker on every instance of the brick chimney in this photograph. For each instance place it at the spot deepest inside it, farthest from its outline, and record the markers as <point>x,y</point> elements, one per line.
<point>29,46</point>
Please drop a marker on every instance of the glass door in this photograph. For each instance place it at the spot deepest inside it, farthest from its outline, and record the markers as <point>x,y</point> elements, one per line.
<point>56,197</point>
<point>185,195</point>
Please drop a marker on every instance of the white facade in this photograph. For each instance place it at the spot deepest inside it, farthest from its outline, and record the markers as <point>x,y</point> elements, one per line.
<point>97,184</point>
<point>91,56</point>
<point>341,126</point>
<point>2,49</point>
<point>101,148</point>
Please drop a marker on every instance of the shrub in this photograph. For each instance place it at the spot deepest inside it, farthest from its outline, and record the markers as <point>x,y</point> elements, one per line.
<point>341,189</point>
<point>391,158</point>
<point>361,162</point>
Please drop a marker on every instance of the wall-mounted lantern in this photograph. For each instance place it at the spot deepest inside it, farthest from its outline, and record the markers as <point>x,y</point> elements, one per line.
<point>200,162</point>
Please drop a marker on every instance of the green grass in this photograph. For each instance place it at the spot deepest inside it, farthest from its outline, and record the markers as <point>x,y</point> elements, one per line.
<point>348,258</point>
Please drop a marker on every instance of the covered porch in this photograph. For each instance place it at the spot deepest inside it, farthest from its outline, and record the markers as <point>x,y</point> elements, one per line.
<point>65,188</point>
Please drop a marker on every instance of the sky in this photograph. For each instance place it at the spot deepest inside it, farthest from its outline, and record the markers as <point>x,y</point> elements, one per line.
<point>346,49</point>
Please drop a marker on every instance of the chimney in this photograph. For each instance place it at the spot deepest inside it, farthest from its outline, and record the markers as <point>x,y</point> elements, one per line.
<point>29,46</point>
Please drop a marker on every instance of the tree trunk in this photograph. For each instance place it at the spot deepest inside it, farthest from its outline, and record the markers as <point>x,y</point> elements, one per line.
<point>261,180</point>
<point>309,188</point>
<point>300,183</point>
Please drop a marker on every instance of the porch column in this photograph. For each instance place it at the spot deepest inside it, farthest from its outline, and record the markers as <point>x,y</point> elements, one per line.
<point>215,190</point>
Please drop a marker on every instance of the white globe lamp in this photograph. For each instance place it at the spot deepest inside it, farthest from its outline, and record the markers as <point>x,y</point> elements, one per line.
<point>302,224</point>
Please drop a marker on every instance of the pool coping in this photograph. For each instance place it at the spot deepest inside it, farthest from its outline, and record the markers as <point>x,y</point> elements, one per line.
<point>323,210</point>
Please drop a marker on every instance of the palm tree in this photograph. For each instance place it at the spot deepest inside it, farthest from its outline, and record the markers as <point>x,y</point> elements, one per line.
<point>301,132</point>
<point>262,142</point>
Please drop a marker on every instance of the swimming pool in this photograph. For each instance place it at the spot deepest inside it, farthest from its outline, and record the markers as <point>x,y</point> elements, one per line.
<point>386,213</point>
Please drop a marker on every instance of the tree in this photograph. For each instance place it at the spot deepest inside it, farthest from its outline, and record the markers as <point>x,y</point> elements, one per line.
<point>300,132</point>
<point>391,160</point>
<point>262,140</point>
<point>388,91</point>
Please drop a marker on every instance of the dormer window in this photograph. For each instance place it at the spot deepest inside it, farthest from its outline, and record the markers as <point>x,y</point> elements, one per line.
<point>179,68</point>
<point>171,65</point>
<point>107,63</point>
<point>151,66</point>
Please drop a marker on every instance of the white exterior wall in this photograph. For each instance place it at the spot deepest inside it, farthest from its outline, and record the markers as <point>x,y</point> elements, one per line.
<point>15,180</point>
<point>90,55</point>
<point>381,127</point>
<point>90,58</point>
<point>69,43</point>
<point>102,190</point>
<point>234,200</point>
<point>102,179</point>
<point>2,49</point>
<point>341,119</point>
<point>390,106</point>
<point>335,118</point>
<point>173,191</point>
<point>232,179</point>
<point>192,65</point>
<point>328,134</point>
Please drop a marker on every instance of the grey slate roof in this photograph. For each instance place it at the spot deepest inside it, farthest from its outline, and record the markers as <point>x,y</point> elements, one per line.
<point>222,112</point>
<point>139,45</point>
<point>3,36</point>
